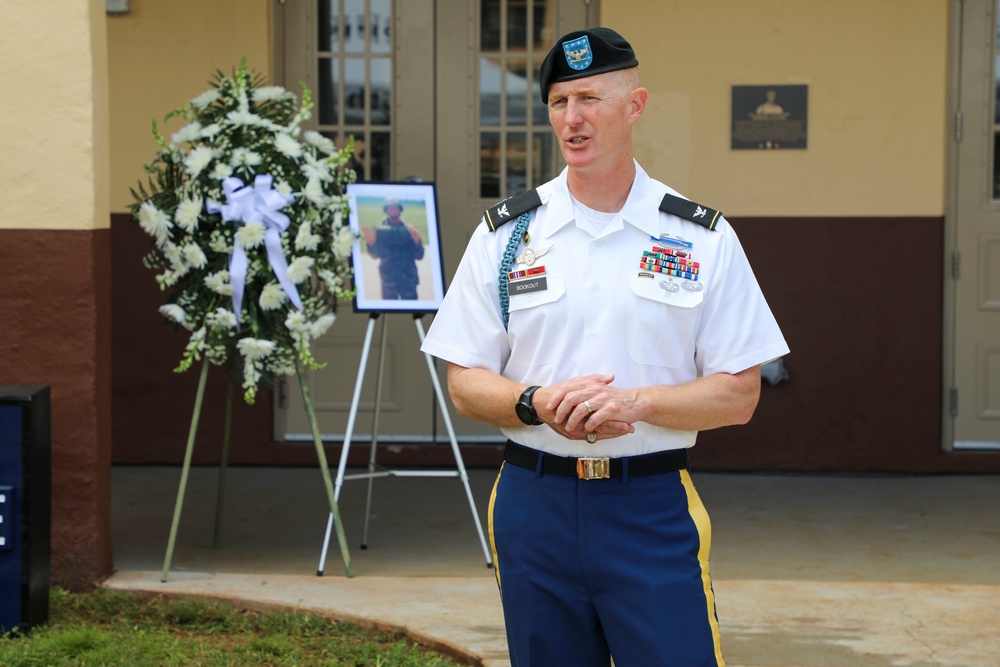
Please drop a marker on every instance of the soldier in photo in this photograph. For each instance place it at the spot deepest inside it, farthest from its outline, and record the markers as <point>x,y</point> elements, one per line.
<point>398,246</point>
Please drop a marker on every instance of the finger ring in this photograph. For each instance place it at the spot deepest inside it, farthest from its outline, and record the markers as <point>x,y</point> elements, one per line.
<point>592,437</point>
<point>587,405</point>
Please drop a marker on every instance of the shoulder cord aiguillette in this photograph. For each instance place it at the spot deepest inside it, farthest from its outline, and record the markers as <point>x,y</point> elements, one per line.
<point>508,262</point>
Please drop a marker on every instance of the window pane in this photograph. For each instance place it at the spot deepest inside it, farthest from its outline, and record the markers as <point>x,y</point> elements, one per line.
<point>542,157</point>
<point>381,91</point>
<point>489,91</point>
<point>359,156</point>
<point>328,91</point>
<point>381,26</point>
<point>539,110</point>
<point>381,156</point>
<point>354,91</point>
<point>541,33</point>
<point>328,13</point>
<point>489,165</point>
<point>517,92</point>
<point>517,163</point>
<point>517,24</point>
<point>996,165</point>
<point>489,38</point>
<point>354,26</point>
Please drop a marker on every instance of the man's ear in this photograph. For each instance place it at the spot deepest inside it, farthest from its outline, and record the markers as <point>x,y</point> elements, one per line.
<point>637,103</point>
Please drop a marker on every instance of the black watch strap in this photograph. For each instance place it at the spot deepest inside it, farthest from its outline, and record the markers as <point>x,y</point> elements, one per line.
<point>525,408</point>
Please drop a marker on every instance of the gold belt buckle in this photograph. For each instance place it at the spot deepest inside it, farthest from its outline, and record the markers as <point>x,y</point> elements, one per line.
<point>593,468</point>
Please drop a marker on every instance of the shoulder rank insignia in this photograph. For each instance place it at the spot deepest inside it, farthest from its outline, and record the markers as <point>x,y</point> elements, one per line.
<point>510,208</point>
<point>689,210</point>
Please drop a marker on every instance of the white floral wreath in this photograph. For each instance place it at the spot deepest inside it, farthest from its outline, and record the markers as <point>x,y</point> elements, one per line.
<point>249,220</point>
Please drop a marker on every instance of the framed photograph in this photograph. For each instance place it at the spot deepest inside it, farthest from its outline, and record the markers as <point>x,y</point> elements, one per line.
<point>397,256</point>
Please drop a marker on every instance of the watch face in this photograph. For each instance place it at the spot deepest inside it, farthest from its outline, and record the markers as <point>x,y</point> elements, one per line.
<point>525,414</point>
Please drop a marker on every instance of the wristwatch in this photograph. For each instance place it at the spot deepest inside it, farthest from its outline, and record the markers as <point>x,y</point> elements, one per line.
<point>525,410</point>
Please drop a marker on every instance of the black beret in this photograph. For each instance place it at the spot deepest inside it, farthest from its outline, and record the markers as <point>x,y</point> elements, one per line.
<point>585,53</point>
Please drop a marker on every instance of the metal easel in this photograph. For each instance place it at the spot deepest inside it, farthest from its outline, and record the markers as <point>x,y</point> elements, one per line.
<point>373,470</point>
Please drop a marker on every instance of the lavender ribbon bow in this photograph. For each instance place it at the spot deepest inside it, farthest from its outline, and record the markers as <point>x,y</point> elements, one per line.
<point>259,203</point>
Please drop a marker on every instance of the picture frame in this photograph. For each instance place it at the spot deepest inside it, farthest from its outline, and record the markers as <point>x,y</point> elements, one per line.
<point>392,271</point>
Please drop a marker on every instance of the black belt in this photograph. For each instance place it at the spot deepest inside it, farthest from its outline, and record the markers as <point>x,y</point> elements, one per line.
<point>595,467</point>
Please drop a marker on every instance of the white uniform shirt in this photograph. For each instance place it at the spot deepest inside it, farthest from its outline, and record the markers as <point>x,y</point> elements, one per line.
<point>602,313</point>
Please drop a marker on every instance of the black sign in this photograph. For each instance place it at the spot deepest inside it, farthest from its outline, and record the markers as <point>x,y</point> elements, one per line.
<point>770,117</point>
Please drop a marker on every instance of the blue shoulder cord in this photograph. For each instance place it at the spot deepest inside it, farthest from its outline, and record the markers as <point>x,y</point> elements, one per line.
<point>508,262</point>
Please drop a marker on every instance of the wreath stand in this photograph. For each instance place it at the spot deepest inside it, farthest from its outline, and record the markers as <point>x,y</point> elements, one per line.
<point>377,471</point>
<point>217,533</point>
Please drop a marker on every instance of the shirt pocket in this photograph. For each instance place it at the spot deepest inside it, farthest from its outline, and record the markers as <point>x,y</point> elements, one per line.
<point>533,318</point>
<point>663,315</point>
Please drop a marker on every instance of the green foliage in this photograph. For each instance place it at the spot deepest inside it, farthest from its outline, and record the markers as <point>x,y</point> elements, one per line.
<point>112,629</point>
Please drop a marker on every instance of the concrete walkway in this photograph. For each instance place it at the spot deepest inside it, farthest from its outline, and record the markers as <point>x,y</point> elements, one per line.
<point>809,570</point>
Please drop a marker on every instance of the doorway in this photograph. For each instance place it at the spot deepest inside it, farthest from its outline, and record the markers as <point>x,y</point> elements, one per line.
<point>433,92</point>
<point>972,317</point>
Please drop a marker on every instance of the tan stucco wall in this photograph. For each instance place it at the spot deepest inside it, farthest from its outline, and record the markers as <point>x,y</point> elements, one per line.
<point>53,115</point>
<point>876,71</point>
<point>162,54</point>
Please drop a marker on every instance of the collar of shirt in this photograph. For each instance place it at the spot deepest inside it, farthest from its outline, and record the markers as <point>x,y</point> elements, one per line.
<point>641,209</point>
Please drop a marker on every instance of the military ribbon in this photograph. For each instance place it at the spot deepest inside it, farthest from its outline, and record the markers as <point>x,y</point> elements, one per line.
<point>257,203</point>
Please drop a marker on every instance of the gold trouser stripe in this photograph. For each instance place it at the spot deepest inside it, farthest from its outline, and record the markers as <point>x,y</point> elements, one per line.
<point>704,526</point>
<point>489,518</point>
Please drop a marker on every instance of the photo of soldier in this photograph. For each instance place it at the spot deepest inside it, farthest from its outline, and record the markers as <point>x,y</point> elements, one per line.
<point>398,246</point>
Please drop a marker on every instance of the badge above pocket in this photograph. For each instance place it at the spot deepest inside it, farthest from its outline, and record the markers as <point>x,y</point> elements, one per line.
<point>677,292</point>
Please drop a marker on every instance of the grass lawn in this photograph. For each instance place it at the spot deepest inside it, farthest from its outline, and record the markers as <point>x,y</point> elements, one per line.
<point>112,628</point>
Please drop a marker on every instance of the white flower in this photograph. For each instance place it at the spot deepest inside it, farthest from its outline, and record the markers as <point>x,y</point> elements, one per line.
<point>211,130</point>
<point>187,133</point>
<point>272,297</point>
<point>198,159</point>
<point>319,142</point>
<point>315,169</point>
<point>187,214</point>
<point>195,256</point>
<point>154,222</point>
<point>305,239</point>
<point>332,280</point>
<point>243,118</point>
<point>268,93</point>
<point>287,146</point>
<point>255,348</point>
<point>174,255</point>
<point>296,321</point>
<point>250,235</point>
<point>322,325</point>
<point>205,100</point>
<point>221,172</point>
<point>243,157</point>
<point>219,283</point>
<point>314,191</point>
<point>343,241</point>
<point>222,319</point>
<point>174,312</point>
<point>300,269</point>
<point>284,188</point>
<point>219,244</point>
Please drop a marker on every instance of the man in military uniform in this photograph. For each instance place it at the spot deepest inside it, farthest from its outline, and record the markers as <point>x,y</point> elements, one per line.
<point>601,321</point>
<point>398,246</point>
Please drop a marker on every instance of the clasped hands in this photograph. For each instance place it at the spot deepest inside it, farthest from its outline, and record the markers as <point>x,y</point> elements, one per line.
<point>588,406</point>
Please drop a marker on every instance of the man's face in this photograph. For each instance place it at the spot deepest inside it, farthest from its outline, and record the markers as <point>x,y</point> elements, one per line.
<point>393,211</point>
<point>591,118</point>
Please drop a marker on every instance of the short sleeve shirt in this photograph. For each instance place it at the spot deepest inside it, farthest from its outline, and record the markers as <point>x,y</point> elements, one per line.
<point>652,298</point>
